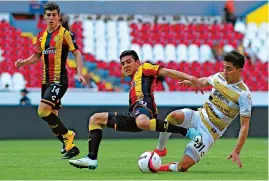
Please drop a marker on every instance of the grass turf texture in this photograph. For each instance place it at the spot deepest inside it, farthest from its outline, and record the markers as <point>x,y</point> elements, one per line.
<point>39,160</point>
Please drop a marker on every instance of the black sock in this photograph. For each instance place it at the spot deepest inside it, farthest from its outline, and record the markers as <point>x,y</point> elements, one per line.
<point>163,126</point>
<point>56,124</point>
<point>94,142</point>
<point>60,137</point>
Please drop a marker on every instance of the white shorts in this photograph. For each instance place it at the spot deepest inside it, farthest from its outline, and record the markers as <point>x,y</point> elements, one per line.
<point>194,150</point>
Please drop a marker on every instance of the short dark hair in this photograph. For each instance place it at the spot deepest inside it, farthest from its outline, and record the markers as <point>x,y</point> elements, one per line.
<point>51,6</point>
<point>129,53</point>
<point>236,58</point>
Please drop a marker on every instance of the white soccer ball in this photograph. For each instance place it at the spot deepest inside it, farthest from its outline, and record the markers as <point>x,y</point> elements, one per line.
<point>149,162</point>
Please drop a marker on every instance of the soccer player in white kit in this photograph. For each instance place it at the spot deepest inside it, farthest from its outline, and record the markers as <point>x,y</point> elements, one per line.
<point>229,97</point>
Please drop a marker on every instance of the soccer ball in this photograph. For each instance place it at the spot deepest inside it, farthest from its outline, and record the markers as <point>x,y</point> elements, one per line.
<point>149,162</point>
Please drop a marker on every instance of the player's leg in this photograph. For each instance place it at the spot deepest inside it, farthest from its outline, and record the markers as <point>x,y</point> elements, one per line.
<point>182,166</point>
<point>58,136</point>
<point>56,125</point>
<point>193,152</point>
<point>183,118</point>
<point>51,95</point>
<point>74,151</point>
<point>122,121</point>
<point>146,121</point>
<point>44,111</point>
<point>96,122</point>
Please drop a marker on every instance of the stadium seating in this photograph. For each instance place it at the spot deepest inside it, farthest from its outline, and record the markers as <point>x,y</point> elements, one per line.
<point>18,81</point>
<point>185,47</point>
<point>6,81</point>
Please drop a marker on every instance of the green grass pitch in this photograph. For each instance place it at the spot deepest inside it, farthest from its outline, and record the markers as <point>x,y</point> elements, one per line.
<point>39,160</point>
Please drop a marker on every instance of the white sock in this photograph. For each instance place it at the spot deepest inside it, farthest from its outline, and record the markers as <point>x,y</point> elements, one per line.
<point>173,167</point>
<point>163,138</point>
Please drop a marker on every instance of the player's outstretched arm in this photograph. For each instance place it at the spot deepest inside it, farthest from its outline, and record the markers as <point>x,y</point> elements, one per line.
<point>79,63</point>
<point>241,140</point>
<point>197,84</point>
<point>204,81</point>
<point>31,60</point>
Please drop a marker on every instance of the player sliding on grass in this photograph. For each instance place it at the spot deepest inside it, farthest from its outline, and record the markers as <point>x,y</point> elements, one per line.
<point>142,113</point>
<point>229,97</point>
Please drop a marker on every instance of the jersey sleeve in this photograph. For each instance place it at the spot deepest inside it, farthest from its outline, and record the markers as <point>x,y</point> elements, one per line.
<point>245,104</point>
<point>211,78</point>
<point>150,69</point>
<point>70,40</point>
<point>37,46</point>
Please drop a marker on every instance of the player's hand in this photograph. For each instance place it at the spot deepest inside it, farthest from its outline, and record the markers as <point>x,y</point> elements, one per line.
<point>19,63</point>
<point>197,84</point>
<point>185,83</point>
<point>82,80</point>
<point>235,158</point>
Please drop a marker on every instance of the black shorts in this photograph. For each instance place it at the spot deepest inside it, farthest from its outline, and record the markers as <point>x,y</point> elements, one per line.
<point>52,93</point>
<point>125,121</point>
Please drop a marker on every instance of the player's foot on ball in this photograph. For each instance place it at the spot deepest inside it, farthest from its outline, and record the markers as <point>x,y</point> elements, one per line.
<point>71,153</point>
<point>63,151</point>
<point>85,162</point>
<point>161,153</point>
<point>166,167</point>
<point>195,135</point>
<point>68,140</point>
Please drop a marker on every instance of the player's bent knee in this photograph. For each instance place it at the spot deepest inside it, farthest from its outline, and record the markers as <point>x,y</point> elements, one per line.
<point>43,112</point>
<point>94,118</point>
<point>143,122</point>
<point>175,117</point>
<point>98,119</point>
<point>142,125</point>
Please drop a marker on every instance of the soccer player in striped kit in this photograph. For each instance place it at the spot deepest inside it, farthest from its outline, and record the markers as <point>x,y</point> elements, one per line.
<point>142,113</point>
<point>229,97</point>
<point>53,45</point>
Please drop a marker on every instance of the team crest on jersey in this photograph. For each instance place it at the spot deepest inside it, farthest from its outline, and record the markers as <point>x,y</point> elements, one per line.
<point>57,38</point>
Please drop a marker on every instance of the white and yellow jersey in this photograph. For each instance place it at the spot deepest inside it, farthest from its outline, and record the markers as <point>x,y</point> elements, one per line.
<point>225,102</point>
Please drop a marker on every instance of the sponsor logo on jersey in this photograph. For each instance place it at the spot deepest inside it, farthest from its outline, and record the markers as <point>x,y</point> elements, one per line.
<point>212,110</point>
<point>222,109</point>
<point>236,88</point>
<point>50,50</point>
<point>220,97</point>
<point>137,112</point>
